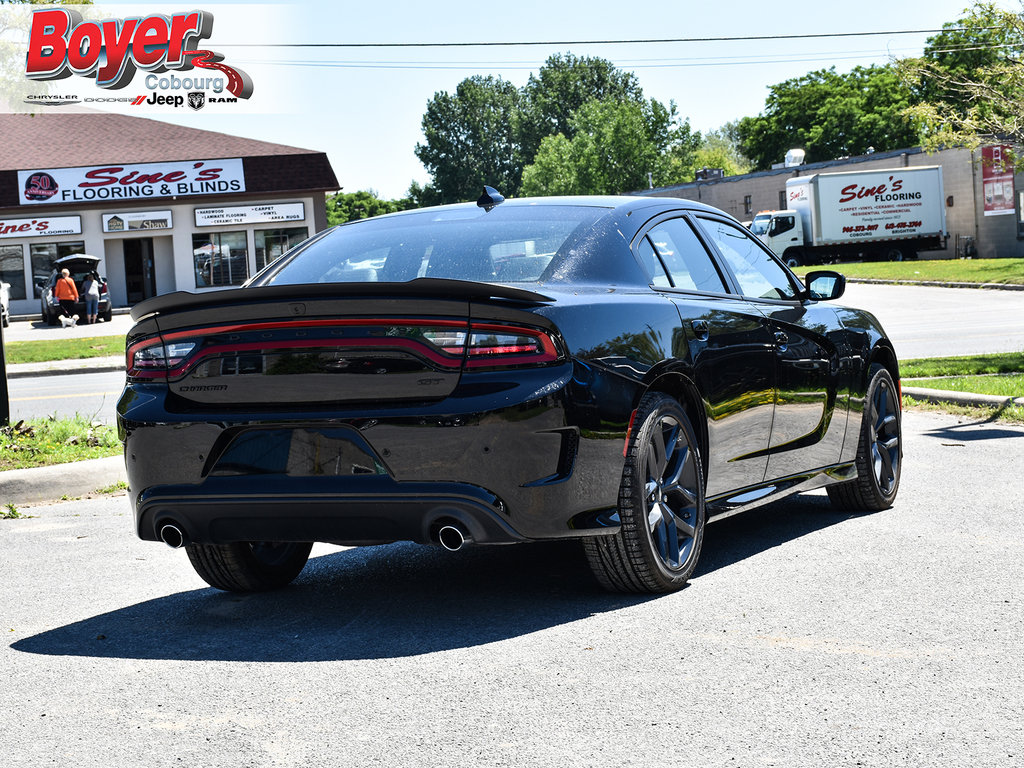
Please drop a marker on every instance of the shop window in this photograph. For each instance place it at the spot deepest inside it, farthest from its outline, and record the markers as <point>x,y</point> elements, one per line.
<point>271,243</point>
<point>12,269</point>
<point>43,255</point>
<point>748,205</point>
<point>220,258</point>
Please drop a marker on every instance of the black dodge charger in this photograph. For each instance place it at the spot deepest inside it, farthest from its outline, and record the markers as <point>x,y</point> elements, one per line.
<point>614,370</point>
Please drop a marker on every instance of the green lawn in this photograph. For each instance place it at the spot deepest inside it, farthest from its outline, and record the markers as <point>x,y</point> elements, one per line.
<point>970,365</point>
<point>63,349</point>
<point>1009,271</point>
<point>42,442</point>
<point>1006,385</point>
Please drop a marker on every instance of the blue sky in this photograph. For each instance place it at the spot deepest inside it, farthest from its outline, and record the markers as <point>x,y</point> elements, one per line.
<point>363,106</point>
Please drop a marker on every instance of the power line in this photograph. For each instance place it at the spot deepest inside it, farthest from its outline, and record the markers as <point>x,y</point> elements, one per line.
<point>493,44</point>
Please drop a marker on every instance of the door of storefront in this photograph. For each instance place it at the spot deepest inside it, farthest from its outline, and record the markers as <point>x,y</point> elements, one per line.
<point>139,271</point>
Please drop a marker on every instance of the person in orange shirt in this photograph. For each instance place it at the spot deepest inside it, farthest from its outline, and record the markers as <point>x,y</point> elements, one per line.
<point>66,293</point>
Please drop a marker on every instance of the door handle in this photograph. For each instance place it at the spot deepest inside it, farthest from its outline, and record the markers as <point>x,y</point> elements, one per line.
<point>700,327</point>
<point>781,340</point>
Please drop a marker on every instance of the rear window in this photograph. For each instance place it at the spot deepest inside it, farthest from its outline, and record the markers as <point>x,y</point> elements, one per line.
<point>511,244</point>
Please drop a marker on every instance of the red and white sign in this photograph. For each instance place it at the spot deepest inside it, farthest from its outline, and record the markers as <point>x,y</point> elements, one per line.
<point>44,225</point>
<point>997,180</point>
<point>142,181</point>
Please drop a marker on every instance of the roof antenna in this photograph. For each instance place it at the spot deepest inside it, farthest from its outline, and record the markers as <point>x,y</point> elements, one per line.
<point>490,198</point>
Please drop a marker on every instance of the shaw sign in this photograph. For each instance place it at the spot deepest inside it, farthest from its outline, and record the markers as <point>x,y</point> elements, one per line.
<point>183,178</point>
<point>61,44</point>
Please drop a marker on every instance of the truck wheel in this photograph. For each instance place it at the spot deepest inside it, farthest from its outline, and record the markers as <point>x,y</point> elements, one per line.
<point>894,254</point>
<point>661,505</point>
<point>248,566</point>
<point>792,259</point>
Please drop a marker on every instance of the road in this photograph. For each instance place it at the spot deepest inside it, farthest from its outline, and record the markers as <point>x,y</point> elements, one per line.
<point>807,638</point>
<point>91,394</point>
<point>943,322</point>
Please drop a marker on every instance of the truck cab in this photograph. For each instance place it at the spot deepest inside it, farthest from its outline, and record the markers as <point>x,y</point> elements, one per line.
<point>783,232</point>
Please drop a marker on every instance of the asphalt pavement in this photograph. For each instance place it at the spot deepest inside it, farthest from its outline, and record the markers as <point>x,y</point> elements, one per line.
<point>808,638</point>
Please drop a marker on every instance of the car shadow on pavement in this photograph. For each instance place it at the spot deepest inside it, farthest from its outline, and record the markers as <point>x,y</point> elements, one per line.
<point>401,600</point>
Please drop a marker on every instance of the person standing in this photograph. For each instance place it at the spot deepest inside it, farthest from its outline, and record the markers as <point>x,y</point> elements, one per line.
<point>91,295</point>
<point>66,293</point>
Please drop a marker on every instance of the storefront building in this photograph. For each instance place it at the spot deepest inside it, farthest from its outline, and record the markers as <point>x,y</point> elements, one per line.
<point>165,208</point>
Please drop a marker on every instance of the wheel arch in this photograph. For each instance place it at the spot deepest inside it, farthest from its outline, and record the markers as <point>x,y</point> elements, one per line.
<point>684,391</point>
<point>884,354</point>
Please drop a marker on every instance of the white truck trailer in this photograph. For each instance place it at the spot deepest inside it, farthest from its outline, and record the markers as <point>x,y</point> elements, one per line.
<point>888,214</point>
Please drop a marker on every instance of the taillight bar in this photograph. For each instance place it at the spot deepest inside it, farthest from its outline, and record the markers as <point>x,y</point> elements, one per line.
<point>475,345</point>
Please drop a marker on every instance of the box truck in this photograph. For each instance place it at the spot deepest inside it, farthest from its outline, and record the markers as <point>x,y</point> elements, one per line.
<point>889,214</point>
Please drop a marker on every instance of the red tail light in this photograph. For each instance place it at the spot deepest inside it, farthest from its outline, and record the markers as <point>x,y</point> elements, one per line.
<point>445,343</point>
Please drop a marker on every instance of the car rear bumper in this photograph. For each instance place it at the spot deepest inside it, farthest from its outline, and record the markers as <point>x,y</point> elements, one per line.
<point>325,510</point>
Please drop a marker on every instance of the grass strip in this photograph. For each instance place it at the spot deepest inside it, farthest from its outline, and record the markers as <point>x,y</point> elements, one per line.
<point>42,442</point>
<point>1003,271</point>
<point>970,365</point>
<point>63,349</point>
<point>1009,385</point>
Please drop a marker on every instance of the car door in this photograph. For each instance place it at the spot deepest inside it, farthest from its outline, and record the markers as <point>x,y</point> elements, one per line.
<point>729,346</point>
<point>810,418</point>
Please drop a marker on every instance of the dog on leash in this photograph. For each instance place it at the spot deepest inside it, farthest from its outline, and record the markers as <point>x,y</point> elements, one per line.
<point>68,322</point>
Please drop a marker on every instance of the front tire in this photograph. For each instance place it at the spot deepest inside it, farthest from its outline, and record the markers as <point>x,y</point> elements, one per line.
<point>249,566</point>
<point>661,505</point>
<point>879,451</point>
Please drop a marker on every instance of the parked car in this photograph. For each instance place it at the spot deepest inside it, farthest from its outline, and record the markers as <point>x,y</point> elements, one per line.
<point>5,304</point>
<point>80,266</point>
<point>614,370</point>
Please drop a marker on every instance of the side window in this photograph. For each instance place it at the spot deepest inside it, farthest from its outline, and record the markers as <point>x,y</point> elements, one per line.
<point>782,224</point>
<point>684,256</point>
<point>653,266</point>
<point>759,276</point>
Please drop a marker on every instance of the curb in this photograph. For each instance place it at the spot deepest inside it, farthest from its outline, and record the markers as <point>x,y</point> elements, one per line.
<point>61,367</point>
<point>47,484</point>
<point>961,398</point>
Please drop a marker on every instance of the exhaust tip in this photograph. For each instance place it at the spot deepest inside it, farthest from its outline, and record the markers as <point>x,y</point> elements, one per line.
<point>172,536</point>
<point>451,538</point>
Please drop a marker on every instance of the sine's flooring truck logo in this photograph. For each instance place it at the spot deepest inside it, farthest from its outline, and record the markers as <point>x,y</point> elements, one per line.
<point>112,51</point>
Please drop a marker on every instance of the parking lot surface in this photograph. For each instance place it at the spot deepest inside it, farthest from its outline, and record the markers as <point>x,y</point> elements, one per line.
<point>807,638</point>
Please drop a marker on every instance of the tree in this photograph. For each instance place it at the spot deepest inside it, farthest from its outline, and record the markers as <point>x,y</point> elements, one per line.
<point>564,84</point>
<point>352,206</point>
<point>614,146</point>
<point>830,115</point>
<point>469,139</point>
<point>970,80</point>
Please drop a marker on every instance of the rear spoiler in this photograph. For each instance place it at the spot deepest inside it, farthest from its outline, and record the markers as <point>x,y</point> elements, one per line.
<point>433,287</point>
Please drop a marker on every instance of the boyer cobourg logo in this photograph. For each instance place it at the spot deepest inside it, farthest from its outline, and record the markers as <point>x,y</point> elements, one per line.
<point>112,51</point>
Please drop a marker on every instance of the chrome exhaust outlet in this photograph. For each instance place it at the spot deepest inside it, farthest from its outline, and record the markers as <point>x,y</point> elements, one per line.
<point>172,536</point>
<point>452,538</point>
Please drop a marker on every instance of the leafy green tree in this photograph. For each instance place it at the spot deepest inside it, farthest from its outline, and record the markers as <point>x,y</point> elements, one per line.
<point>830,115</point>
<point>352,206</point>
<point>970,80</point>
<point>469,139</point>
<point>562,85</point>
<point>614,146</point>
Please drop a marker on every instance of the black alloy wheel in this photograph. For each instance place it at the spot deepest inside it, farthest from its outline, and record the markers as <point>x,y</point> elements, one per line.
<point>879,452</point>
<point>661,505</point>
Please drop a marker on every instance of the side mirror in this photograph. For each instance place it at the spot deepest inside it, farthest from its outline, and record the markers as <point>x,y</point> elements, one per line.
<point>824,285</point>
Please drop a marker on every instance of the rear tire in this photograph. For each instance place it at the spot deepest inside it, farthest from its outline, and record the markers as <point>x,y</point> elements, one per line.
<point>256,566</point>
<point>661,505</point>
<point>879,451</point>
